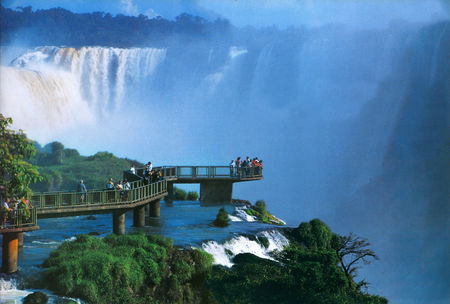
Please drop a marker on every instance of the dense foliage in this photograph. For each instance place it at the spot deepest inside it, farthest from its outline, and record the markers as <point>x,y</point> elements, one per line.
<point>16,173</point>
<point>222,218</point>
<point>181,195</point>
<point>140,268</point>
<point>63,168</point>
<point>133,268</point>
<point>192,196</point>
<point>259,211</point>
<point>309,272</point>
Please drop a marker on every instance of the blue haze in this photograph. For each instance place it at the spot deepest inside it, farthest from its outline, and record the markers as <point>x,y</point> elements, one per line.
<point>351,117</point>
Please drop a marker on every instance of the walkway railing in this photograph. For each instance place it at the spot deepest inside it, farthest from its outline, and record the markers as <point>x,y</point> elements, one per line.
<point>18,218</point>
<point>139,191</point>
<point>206,172</point>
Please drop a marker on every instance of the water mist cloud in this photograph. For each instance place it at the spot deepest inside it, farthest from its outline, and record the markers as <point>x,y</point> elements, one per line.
<point>260,13</point>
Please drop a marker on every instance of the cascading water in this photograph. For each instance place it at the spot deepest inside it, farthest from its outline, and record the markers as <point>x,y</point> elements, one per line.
<point>224,253</point>
<point>329,109</point>
<point>61,88</point>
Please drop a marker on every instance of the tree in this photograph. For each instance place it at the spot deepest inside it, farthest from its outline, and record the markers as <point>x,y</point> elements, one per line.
<point>15,172</point>
<point>222,219</point>
<point>351,250</point>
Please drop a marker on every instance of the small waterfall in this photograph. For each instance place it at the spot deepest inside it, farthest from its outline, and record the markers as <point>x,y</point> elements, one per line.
<point>9,292</point>
<point>239,214</point>
<point>224,253</point>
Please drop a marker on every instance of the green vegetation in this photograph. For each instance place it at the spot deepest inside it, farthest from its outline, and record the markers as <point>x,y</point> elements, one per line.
<point>309,272</point>
<point>192,196</point>
<point>16,173</point>
<point>181,195</point>
<point>259,211</point>
<point>222,219</point>
<point>63,168</point>
<point>134,268</point>
<point>140,268</point>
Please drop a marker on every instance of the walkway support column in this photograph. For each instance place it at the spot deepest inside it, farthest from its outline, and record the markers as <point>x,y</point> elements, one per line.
<point>155,209</point>
<point>20,239</point>
<point>169,197</point>
<point>216,191</point>
<point>119,222</point>
<point>9,251</point>
<point>139,216</point>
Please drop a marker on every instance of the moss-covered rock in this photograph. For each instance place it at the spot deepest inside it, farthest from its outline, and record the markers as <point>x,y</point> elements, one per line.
<point>36,298</point>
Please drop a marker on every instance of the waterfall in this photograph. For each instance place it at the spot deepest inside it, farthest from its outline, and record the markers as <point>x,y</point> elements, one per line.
<point>44,99</point>
<point>224,253</point>
<point>104,75</point>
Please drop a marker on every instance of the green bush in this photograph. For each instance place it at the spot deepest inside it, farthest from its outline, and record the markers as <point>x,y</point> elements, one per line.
<point>179,194</point>
<point>222,218</point>
<point>260,207</point>
<point>126,269</point>
<point>192,196</point>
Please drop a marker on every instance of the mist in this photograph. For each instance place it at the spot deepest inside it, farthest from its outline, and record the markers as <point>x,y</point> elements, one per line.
<point>352,123</point>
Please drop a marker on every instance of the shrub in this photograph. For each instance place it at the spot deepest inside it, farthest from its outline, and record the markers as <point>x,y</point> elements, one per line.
<point>222,219</point>
<point>134,268</point>
<point>179,194</point>
<point>260,206</point>
<point>192,196</point>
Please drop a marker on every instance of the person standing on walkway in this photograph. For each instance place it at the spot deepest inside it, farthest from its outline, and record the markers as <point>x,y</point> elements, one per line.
<point>232,168</point>
<point>82,189</point>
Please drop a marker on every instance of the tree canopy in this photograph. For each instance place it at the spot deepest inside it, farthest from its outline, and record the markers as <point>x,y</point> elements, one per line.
<point>58,26</point>
<point>15,149</point>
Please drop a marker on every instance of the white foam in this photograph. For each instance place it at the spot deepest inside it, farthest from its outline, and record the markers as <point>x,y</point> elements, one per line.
<point>240,213</point>
<point>223,253</point>
<point>234,218</point>
<point>9,292</point>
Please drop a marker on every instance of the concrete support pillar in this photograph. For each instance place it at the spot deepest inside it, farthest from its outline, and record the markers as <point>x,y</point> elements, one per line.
<point>147,210</point>
<point>119,222</point>
<point>9,251</point>
<point>169,192</point>
<point>139,216</point>
<point>155,209</point>
<point>216,191</point>
<point>20,239</point>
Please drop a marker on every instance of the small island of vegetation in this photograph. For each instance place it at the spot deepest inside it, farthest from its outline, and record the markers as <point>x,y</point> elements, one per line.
<point>260,213</point>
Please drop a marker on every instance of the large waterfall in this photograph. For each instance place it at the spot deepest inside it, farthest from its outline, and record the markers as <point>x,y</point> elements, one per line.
<point>57,88</point>
<point>350,123</point>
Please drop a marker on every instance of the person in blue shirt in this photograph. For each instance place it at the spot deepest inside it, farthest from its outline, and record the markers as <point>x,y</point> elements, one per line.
<point>82,189</point>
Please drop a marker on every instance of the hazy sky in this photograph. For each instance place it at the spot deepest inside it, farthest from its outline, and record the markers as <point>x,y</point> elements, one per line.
<point>283,13</point>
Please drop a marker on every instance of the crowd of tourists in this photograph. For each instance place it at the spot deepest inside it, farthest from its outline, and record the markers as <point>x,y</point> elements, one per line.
<point>151,175</point>
<point>12,208</point>
<point>123,186</point>
<point>246,167</point>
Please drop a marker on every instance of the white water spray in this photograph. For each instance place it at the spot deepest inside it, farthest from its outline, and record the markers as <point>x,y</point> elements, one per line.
<point>224,253</point>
